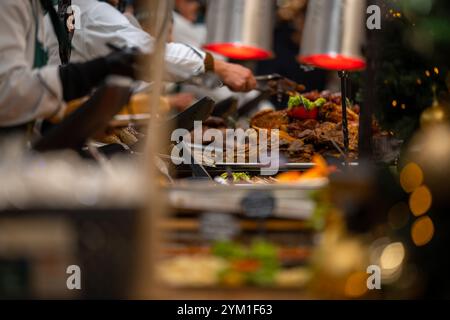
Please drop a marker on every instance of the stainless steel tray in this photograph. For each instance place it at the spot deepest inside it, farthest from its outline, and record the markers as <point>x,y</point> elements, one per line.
<point>284,167</point>
<point>293,201</point>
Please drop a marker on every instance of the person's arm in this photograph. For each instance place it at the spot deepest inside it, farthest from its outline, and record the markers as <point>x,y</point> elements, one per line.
<point>183,62</point>
<point>107,25</point>
<point>104,24</point>
<point>25,94</point>
<point>79,79</point>
<point>235,76</point>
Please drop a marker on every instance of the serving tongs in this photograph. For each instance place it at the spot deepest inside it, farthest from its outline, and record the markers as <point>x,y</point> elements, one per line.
<point>209,81</point>
<point>276,84</point>
<point>186,119</point>
<point>270,85</point>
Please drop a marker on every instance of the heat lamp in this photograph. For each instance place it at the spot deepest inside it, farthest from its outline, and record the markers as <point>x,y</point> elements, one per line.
<point>332,39</point>
<point>240,29</point>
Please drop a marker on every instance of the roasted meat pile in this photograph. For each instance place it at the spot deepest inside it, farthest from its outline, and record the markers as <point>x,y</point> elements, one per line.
<point>302,138</point>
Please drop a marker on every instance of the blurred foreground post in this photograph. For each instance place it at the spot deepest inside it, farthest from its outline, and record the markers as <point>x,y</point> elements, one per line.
<point>160,13</point>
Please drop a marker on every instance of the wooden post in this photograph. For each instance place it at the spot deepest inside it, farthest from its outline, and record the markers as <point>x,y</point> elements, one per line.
<point>148,232</point>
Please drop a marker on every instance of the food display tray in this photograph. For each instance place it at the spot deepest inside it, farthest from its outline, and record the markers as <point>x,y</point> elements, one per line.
<point>293,201</point>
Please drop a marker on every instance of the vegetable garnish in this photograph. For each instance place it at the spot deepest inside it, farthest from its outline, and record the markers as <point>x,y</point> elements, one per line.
<point>294,101</point>
<point>300,100</point>
<point>257,264</point>
<point>302,108</point>
<point>237,176</point>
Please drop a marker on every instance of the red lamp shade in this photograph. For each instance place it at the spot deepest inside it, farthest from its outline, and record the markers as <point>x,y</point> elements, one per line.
<point>240,29</point>
<point>238,51</point>
<point>333,35</point>
<point>336,62</point>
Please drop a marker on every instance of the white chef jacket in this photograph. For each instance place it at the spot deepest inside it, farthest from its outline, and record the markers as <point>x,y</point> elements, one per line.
<point>26,94</point>
<point>101,23</point>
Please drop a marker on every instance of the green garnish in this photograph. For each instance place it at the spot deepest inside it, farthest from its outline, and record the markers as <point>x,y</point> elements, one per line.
<point>320,102</point>
<point>294,101</point>
<point>229,250</point>
<point>237,176</point>
<point>263,250</point>
<point>265,253</point>
<point>299,100</point>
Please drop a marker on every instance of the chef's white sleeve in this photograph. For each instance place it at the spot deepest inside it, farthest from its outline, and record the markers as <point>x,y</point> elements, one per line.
<point>183,61</point>
<point>104,24</point>
<point>25,94</point>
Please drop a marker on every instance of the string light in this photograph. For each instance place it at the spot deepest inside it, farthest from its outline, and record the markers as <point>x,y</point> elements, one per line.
<point>411,177</point>
<point>422,231</point>
<point>420,201</point>
<point>356,285</point>
<point>392,256</point>
<point>395,14</point>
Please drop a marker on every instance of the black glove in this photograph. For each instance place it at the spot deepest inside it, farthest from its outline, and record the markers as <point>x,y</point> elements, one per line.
<point>78,79</point>
<point>123,62</point>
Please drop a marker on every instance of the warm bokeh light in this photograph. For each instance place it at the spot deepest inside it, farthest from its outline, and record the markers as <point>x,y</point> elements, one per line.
<point>411,177</point>
<point>398,215</point>
<point>420,201</point>
<point>356,285</point>
<point>392,256</point>
<point>239,52</point>
<point>333,62</point>
<point>422,231</point>
<point>344,256</point>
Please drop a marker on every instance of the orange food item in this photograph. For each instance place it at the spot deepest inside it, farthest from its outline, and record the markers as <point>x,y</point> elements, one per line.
<point>233,279</point>
<point>292,176</point>
<point>246,265</point>
<point>320,170</point>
